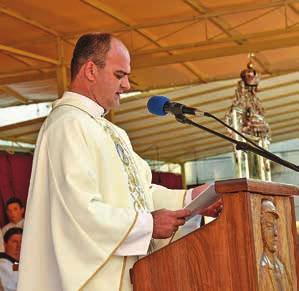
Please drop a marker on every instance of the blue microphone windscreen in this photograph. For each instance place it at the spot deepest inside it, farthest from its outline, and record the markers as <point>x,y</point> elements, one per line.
<point>155,105</point>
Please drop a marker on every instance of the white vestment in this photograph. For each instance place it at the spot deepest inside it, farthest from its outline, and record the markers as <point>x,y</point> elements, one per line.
<point>80,207</point>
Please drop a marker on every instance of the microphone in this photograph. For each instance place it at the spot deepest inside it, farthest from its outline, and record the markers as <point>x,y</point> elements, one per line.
<point>161,105</point>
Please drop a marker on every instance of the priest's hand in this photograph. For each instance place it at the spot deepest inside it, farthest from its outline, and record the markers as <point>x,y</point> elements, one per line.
<point>167,222</point>
<point>214,209</point>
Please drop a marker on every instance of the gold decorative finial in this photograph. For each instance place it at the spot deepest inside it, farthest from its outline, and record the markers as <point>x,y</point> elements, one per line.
<point>250,57</point>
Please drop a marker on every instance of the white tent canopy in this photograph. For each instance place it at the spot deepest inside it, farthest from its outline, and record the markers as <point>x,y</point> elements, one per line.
<point>190,50</point>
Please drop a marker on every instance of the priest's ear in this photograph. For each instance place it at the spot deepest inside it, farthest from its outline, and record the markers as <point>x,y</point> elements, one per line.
<point>90,70</point>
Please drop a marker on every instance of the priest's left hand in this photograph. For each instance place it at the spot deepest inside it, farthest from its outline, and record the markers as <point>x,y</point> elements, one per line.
<point>214,209</point>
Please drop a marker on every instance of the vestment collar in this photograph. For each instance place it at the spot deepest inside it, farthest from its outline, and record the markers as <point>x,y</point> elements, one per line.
<point>82,102</point>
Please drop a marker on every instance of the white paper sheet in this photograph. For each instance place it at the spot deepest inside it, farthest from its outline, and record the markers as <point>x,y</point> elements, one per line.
<point>202,201</point>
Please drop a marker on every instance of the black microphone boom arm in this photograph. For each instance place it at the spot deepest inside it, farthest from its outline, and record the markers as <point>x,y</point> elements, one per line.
<point>178,108</point>
<point>239,144</point>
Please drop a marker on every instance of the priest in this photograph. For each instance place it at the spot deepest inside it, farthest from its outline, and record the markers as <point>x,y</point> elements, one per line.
<point>92,209</point>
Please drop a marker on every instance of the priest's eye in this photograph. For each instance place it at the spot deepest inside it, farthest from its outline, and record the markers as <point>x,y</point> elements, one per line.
<point>119,75</point>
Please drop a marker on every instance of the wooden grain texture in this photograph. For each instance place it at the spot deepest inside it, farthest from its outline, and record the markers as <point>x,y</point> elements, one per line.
<point>297,259</point>
<point>221,255</point>
<point>296,239</point>
<point>255,186</point>
<point>286,239</point>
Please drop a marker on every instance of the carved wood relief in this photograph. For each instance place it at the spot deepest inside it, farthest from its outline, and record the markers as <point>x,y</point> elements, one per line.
<point>274,244</point>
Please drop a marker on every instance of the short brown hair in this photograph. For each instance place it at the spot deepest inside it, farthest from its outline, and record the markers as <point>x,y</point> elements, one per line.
<point>12,231</point>
<point>91,46</point>
<point>12,200</point>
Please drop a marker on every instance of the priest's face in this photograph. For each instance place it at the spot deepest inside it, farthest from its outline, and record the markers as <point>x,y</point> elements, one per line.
<point>112,80</point>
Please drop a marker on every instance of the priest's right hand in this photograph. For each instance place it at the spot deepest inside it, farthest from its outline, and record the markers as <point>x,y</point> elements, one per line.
<point>167,222</point>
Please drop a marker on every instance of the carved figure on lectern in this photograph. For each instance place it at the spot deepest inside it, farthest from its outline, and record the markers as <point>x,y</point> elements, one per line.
<point>273,274</point>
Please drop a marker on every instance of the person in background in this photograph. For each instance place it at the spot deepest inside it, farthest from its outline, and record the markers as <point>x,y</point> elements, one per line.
<point>15,212</point>
<point>9,260</point>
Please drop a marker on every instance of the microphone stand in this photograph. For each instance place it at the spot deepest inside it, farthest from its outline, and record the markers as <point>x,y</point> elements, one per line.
<point>239,144</point>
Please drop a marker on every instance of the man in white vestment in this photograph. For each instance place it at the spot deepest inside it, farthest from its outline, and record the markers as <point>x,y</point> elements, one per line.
<point>10,258</point>
<point>92,209</point>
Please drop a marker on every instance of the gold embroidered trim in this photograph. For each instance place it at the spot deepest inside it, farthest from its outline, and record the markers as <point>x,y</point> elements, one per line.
<point>104,263</point>
<point>122,273</point>
<point>134,183</point>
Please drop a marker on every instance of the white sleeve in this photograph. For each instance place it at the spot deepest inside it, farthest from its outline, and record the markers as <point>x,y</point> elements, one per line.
<point>138,240</point>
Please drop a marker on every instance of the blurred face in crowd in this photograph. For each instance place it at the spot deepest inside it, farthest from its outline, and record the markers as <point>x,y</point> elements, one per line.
<point>15,212</point>
<point>13,246</point>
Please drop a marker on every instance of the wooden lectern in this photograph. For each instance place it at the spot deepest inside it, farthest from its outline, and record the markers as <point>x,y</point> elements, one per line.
<point>250,246</point>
